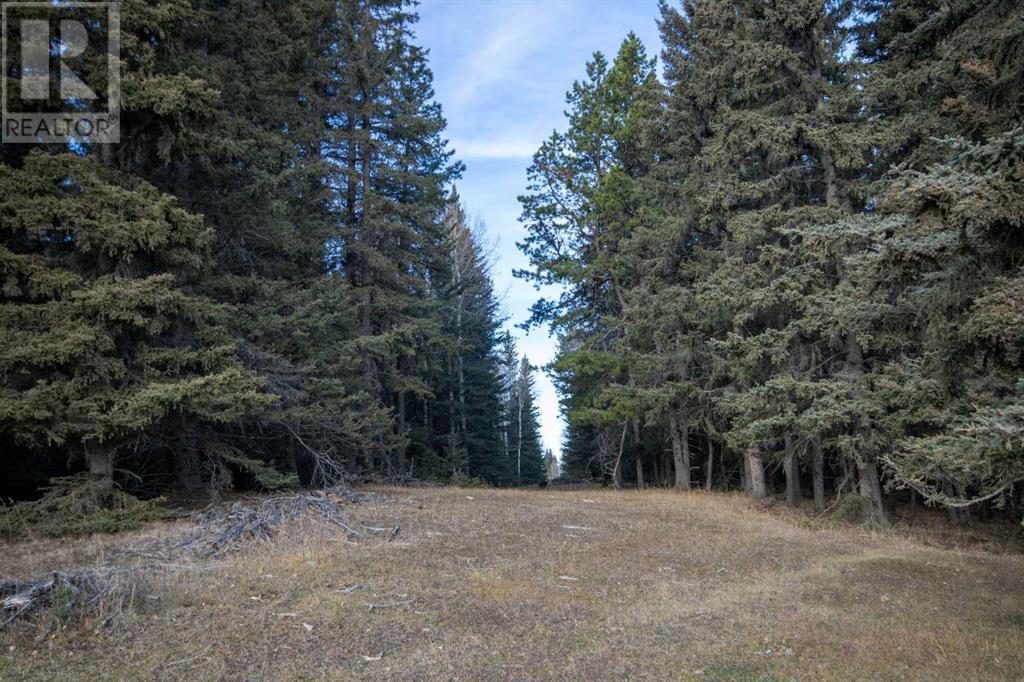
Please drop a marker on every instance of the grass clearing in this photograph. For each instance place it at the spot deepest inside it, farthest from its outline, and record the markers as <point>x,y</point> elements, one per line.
<point>496,584</point>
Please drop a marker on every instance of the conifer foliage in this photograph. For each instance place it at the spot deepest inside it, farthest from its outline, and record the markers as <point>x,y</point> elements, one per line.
<point>790,260</point>
<point>106,350</point>
<point>797,259</point>
<point>269,281</point>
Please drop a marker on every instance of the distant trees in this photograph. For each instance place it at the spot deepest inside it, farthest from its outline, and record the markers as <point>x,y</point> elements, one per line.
<point>529,457</point>
<point>786,262</point>
<point>470,379</point>
<point>551,464</point>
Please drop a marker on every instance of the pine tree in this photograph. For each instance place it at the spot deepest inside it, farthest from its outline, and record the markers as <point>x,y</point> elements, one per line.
<point>254,138</point>
<point>251,164</point>
<point>470,379</point>
<point>583,186</point>
<point>157,339</point>
<point>551,465</point>
<point>938,251</point>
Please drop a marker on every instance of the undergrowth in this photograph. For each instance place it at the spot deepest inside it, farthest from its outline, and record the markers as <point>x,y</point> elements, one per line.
<point>461,480</point>
<point>77,505</point>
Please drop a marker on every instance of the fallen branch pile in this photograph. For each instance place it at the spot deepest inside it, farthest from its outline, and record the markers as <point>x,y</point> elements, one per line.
<point>108,589</point>
<point>81,591</point>
<point>222,529</point>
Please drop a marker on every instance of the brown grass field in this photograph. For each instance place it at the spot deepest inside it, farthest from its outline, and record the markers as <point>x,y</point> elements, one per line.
<point>590,584</point>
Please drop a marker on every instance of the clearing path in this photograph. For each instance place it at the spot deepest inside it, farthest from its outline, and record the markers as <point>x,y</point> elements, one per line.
<point>493,584</point>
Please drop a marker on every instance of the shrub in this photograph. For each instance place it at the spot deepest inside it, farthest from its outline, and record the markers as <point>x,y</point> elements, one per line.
<point>77,505</point>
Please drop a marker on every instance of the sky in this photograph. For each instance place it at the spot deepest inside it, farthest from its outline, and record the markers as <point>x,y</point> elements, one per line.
<point>501,71</point>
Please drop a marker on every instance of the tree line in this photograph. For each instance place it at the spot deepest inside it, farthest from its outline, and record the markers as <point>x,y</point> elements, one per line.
<point>792,259</point>
<point>271,279</point>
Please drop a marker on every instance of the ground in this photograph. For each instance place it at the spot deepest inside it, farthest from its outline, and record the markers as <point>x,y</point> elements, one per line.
<point>545,584</point>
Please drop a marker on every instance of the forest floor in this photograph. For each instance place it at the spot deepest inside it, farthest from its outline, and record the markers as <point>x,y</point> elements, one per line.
<point>547,584</point>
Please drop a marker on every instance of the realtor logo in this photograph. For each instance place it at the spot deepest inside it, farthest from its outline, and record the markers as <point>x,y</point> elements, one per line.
<point>65,58</point>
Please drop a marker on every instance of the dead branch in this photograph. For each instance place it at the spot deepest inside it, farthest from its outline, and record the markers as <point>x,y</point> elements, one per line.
<point>223,529</point>
<point>218,529</point>
<point>86,590</point>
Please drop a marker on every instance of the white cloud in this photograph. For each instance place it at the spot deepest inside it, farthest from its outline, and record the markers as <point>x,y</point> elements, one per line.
<point>494,149</point>
<point>509,33</point>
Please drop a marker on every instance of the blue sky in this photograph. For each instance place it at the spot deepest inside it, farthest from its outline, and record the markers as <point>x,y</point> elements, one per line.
<point>501,70</point>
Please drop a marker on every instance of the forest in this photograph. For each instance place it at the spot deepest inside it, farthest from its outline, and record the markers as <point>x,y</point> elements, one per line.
<point>271,280</point>
<point>790,253</point>
<point>268,410</point>
<point>796,258</point>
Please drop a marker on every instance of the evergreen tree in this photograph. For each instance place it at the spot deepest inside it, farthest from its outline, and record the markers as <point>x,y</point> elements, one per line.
<point>392,172</point>
<point>528,453</point>
<point>770,285</point>
<point>802,250</point>
<point>108,351</point>
<point>939,248</point>
<point>132,263</point>
<point>955,390</point>
<point>250,161</point>
<point>581,208</point>
<point>471,377</point>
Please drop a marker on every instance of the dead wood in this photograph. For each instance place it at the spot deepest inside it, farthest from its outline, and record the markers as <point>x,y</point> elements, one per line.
<point>83,591</point>
<point>223,529</point>
<point>218,530</point>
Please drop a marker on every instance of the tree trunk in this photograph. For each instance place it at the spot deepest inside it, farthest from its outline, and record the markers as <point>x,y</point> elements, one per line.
<point>709,470</point>
<point>792,468</point>
<point>819,479</point>
<point>617,470</point>
<point>401,431</point>
<point>680,451</point>
<point>101,466</point>
<point>188,465</point>
<point>452,439</point>
<point>744,474</point>
<point>462,372</point>
<point>958,517</point>
<point>870,484</point>
<point>639,471</point>
<point>758,487</point>
<point>519,440</point>
<point>871,494</point>
<point>724,481</point>
<point>292,459</point>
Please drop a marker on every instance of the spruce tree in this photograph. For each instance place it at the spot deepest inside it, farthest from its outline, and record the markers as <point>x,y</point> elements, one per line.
<point>580,209</point>
<point>250,161</point>
<point>528,452</point>
<point>391,178</point>
<point>108,351</point>
<point>937,248</point>
<point>470,378</point>
<point>110,233</point>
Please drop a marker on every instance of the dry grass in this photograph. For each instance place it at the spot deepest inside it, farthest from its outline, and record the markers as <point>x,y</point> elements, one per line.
<point>488,584</point>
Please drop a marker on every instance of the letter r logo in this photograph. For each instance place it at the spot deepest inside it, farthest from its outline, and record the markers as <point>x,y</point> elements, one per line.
<point>35,59</point>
